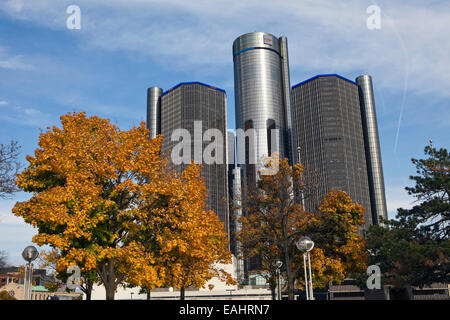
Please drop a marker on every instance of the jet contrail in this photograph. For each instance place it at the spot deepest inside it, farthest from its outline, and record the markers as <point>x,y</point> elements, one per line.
<point>405,83</point>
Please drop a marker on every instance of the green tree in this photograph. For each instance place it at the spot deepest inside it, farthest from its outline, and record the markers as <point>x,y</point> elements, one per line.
<point>432,216</point>
<point>414,248</point>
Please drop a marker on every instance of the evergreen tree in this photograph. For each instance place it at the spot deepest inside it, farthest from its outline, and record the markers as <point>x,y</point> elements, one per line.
<point>414,249</point>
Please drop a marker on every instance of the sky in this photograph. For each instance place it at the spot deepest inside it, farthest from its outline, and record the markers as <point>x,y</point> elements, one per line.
<point>125,46</point>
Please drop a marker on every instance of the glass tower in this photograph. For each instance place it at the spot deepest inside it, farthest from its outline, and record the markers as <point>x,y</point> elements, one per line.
<point>262,96</point>
<point>372,145</point>
<point>154,111</point>
<point>329,134</point>
<point>181,107</point>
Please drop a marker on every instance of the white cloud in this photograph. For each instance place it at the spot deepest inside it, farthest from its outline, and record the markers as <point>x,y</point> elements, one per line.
<point>27,117</point>
<point>6,216</point>
<point>15,63</point>
<point>6,104</point>
<point>15,5</point>
<point>324,36</point>
<point>32,112</point>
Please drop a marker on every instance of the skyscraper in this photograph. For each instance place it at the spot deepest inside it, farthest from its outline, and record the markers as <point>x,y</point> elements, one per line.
<point>328,130</point>
<point>262,95</point>
<point>372,145</point>
<point>196,107</point>
<point>154,111</point>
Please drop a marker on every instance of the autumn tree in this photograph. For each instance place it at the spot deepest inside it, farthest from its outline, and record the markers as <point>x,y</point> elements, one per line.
<point>272,215</point>
<point>49,260</point>
<point>107,200</point>
<point>414,248</point>
<point>335,231</point>
<point>257,245</point>
<point>275,216</point>
<point>84,178</point>
<point>197,244</point>
<point>183,236</point>
<point>9,166</point>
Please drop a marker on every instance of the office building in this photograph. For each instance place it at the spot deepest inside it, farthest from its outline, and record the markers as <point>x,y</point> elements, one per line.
<point>328,131</point>
<point>195,107</point>
<point>262,97</point>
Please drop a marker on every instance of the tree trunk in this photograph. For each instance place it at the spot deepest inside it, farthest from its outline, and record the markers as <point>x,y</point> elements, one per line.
<point>182,293</point>
<point>290,282</point>
<point>109,292</point>
<point>110,283</point>
<point>290,277</point>
<point>89,285</point>
<point>86,288</point>
<point>148,295</point>
<point>273,282</point>
<point>272,291</point>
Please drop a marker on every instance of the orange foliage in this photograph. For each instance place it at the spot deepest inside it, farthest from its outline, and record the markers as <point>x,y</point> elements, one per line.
<point>107,200</point>
<point>276,220</point>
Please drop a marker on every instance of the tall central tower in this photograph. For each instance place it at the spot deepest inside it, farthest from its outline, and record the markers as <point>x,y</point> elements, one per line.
<point>262,95</point>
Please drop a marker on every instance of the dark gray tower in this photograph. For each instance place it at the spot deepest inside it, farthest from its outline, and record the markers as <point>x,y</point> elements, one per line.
<point>154,111</point>
<point>372,145</point>
<point>328,129</point>
<point>262,93</point>
<point>183,107</point>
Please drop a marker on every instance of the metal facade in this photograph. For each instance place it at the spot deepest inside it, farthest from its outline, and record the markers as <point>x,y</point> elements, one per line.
<point>259,94</point>
<point>180,107</point>
<point>154,111</point>
<point>328,129</point>
<point>287,98</point>
<point>372,145</point>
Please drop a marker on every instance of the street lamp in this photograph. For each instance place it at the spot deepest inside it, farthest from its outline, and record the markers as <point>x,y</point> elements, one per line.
<point>305,244</point>
<point>29,254</point>
<point>278,264</point>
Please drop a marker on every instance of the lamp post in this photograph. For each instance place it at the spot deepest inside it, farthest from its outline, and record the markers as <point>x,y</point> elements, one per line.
<point>305,244</point>
<point>278,264</point>
<point>29,254</point>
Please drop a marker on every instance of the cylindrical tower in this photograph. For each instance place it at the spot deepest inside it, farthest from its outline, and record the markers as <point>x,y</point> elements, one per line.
<point>289,143</point>
<point>372,147</point>
<point>259,96</point>
<point>154,110</point>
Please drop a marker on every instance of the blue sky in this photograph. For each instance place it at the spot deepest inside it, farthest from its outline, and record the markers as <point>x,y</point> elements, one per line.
<point>125,46</point>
